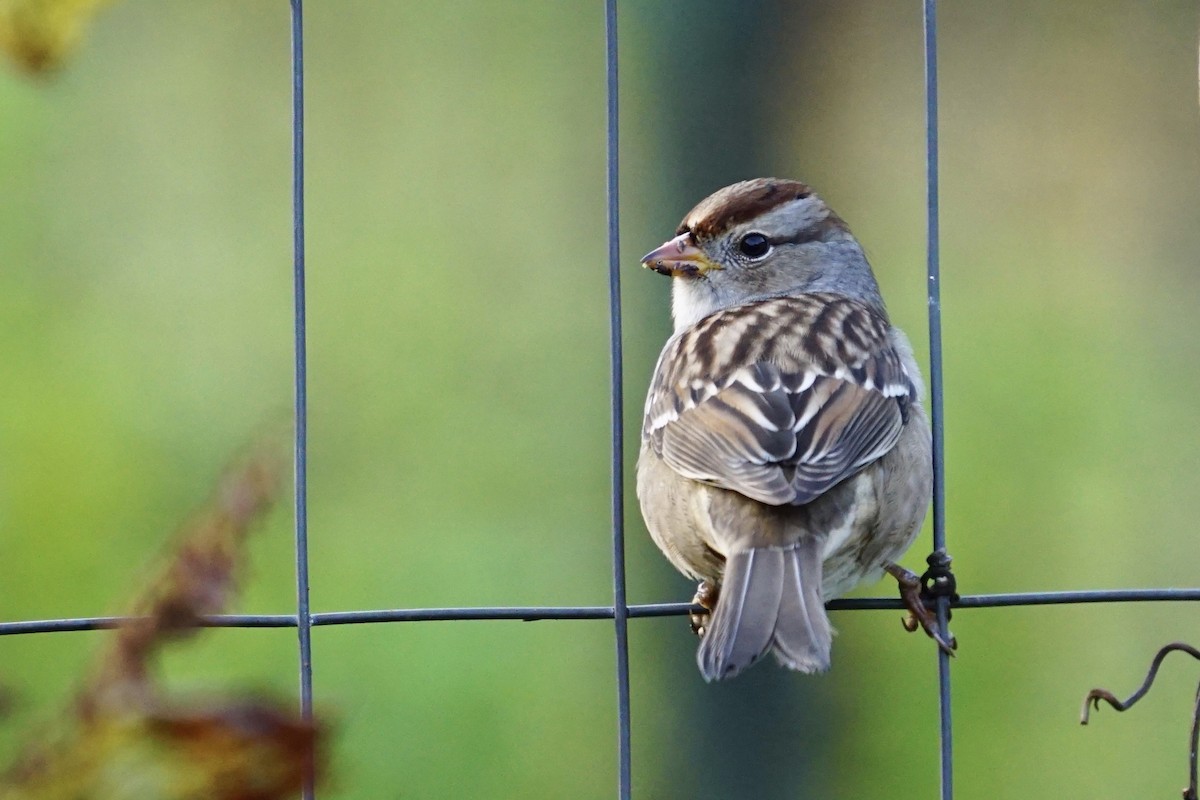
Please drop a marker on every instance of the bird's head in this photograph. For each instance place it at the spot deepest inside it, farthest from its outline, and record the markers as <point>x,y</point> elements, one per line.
<point>758,239</point>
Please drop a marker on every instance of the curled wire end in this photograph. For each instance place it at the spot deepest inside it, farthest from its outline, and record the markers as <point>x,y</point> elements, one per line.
<point>1093,698</point>
<point>1096,695</point>
<point>1092,701</point>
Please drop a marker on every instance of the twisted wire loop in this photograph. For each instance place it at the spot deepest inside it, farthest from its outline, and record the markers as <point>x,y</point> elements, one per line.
<point>938,580</point>
<point>1093,698</point>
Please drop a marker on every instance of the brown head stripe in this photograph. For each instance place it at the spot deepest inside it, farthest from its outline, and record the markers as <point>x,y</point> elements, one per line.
<point>735,204</point>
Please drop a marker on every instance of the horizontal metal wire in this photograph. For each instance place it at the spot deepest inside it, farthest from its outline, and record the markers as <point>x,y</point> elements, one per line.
<point>535,613</point>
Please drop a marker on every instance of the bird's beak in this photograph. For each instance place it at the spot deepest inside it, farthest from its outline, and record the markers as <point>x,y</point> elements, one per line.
<point>679,258</point>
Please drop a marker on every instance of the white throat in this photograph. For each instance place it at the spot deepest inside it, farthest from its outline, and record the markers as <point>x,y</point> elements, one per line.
<point>692,301</point>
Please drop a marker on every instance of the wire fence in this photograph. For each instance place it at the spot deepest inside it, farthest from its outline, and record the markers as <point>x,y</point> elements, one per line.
<point>304,620</point>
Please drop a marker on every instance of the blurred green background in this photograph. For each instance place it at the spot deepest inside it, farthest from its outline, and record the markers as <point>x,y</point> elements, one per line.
<point>458,369</point>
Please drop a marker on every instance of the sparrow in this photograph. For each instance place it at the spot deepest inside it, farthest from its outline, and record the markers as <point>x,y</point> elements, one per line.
<point>785,457</point>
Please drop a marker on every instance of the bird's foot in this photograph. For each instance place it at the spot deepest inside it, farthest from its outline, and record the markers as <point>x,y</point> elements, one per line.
<point>706,598</point>
<point>914,592</point>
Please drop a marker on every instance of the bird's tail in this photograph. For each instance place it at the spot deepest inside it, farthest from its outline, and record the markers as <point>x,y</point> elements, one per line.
<point>770,600</point>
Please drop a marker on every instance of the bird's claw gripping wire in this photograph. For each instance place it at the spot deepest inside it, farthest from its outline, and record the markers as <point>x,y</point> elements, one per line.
<point>706,599</point>
<point>920,594</point>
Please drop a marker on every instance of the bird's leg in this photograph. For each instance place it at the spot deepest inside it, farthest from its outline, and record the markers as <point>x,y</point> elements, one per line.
<point>706,598</point>
<point>913,594</point>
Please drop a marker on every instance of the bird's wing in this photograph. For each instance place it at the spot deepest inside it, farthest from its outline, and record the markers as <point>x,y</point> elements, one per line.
<point>779,400</point>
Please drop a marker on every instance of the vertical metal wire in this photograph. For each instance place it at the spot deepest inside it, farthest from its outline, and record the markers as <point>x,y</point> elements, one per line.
<point>620,609</point>
<point>935,379</point>
<point>303,612</point>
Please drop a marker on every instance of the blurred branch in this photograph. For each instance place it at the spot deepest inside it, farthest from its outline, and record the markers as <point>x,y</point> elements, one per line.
<point>199,578</point>
<point>125,738</point>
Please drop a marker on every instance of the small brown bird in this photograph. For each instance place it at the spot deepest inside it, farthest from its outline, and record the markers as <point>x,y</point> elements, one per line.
<point>785,455</point>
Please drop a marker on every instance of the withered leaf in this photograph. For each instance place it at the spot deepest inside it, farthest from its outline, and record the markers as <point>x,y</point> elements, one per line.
<point>215,750</point>
<point>198,578</point>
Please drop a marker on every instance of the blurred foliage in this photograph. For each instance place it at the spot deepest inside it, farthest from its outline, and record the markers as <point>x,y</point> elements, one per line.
<point>38,34</point>
<point>458,366</point>
<point>125,736</point>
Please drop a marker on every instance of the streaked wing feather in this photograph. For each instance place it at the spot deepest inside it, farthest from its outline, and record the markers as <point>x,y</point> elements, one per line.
<point>716,443</point>
<point>855,428</point>
<point>784,426</point>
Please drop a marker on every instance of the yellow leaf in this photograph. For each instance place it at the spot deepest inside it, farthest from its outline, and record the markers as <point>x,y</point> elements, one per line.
<point>38,34</point>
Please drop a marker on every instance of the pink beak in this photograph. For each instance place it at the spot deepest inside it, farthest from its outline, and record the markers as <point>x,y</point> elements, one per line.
<point>679,258</point>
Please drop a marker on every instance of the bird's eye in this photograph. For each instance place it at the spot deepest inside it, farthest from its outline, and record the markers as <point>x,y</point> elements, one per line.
<point>754,245</point>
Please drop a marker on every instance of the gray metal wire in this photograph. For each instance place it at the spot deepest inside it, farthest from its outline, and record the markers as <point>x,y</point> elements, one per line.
<point>933,251</point>
<point>541,613</point>
<point>617,432</point>
<point>300,340</point>
<point>304,620</point>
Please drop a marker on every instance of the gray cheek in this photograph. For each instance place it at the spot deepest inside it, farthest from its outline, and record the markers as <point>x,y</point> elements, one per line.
<point>761,281</point>
<point>735,287</point>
